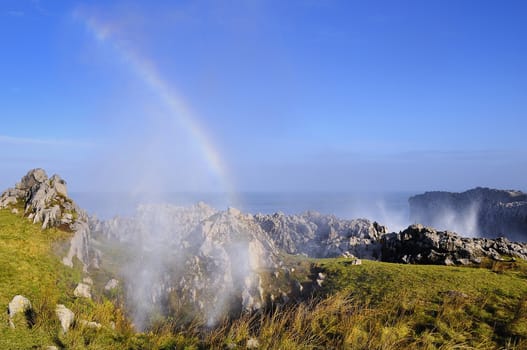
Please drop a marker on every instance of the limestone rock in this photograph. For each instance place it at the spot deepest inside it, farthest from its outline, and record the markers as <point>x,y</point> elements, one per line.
<point>65,316</point>
<point>10,197</point>
<point>32,178</point>
<point>19,305</point>
<point>45,200</point>
<point>425,245</point>
<point>80,246</point>
<point>59,185</point>
<point>112,284</point>
<point>356,262</point>
<point>253,343</point>
<point>224,250</point>
<point>82,290</point>
<point>90,324</point>
<point>481,212</point>
<point>320,236</point>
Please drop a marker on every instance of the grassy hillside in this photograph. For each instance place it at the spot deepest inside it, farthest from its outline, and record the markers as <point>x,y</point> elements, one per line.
<point>30,266</point>
<point>433,306</point>
<point>371,306</point>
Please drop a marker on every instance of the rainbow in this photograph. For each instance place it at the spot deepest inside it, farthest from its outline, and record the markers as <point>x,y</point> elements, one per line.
<point>179,109</point>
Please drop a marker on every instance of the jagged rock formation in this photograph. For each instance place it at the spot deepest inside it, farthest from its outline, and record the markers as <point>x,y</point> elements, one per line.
<point>211,261</point>
<point>319,236</point>
<point>45,200</point>
<point>193,258</point>
<point>424,245</point>
<point>480,212</point>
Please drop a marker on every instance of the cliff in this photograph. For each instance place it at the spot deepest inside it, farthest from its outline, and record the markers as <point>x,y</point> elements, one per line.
<point>480,212</point>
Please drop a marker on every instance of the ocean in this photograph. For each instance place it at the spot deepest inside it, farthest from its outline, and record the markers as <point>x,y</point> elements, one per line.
<point>387,208</point>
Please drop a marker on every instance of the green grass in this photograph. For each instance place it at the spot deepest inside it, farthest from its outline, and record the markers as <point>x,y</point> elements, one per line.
<point>370,306</point>
<point>473,307</point>
<point>29,266</point>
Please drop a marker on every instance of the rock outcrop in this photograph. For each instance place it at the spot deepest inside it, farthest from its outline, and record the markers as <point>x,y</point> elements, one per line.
<point>480,212</point>
<point>195,258</point>
<point>211,261</point>
<point>424,245</point>
<point>322,236</point>
<point>45,200</point>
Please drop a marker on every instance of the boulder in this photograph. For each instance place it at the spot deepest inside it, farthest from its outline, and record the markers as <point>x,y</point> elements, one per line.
<point>82,290</point>
<point>20,305</point>
<point>112,284</point>
<point>32,178</point>
<point>10,197</point>
<point>90,324</point>
<point>65,316</point>
<point>59,185</point>
<point>253,343</point>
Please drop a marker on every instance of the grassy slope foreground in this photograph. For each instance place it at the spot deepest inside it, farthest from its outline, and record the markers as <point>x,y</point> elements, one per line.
<point>371,306</point>
<point>30,266</point>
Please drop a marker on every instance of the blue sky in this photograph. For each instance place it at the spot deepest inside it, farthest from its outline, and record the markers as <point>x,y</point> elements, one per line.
<point>288,95</point>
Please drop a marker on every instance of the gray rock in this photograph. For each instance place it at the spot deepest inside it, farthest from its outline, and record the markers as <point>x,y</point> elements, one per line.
<point>32,178</point>
<point>319,235</point>
<point>59,185</point>
<point>90,324</point>
<point>112,284</point>
<point>224,250</point>
<point>19,305</point>
<point>46,201</point>
<point>424,245</point>
<point>82,290</point>
<point>65,316</point>
<point>10,197</point>
<point>80,247</point>
<point>253,343</point>
<point>481,212</point>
